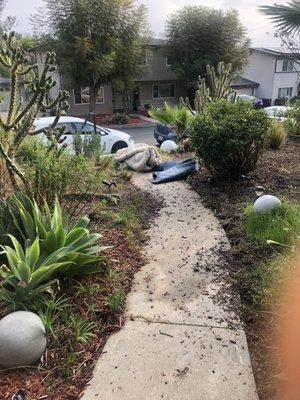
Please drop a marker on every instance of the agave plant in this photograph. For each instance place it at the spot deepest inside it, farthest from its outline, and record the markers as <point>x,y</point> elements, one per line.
<point>27,274</point>
<point>52,229</point>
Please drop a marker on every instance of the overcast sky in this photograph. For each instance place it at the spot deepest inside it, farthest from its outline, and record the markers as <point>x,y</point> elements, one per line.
<point>260,30</point>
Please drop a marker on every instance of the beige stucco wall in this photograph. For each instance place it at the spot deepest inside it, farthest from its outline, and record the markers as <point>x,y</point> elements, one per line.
<point>146,93</point>
<point>82,110</point>
<point>156,68</point>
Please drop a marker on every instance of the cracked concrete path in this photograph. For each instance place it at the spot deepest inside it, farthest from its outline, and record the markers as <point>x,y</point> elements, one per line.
<point>182,339</point>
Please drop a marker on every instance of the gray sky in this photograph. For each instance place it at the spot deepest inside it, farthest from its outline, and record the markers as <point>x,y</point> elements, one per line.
<point>260,30</point>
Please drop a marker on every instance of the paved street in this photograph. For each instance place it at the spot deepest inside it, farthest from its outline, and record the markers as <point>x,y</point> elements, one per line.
<point>141,135</point>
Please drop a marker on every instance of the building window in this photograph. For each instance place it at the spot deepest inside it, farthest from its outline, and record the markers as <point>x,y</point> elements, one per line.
<point>163,91</point>
<point>287,66</point>
<point>285,92</point>
<point>169,61</point>
<point>82,95</point>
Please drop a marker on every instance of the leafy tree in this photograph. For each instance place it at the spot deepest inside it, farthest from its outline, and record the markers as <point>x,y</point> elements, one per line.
<point>199,36</point>
<point>129,53</point>
<point>93,40</point>
<point>286,17</point>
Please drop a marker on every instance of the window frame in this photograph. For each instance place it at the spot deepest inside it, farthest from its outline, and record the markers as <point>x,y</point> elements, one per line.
<point>288,89</point>
<point>289,66</point>
<point>170,64</point>
<point>79,104</point>
<point>163,84</point>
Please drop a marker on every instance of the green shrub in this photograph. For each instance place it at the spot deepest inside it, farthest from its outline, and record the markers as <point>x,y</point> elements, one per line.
<point>118,119</point>
<point>276,135</point>
<point>230,137</point>
<point>282,225</point>
<point>87,145</point>
<point>55,174</point>
<point>292,123</point>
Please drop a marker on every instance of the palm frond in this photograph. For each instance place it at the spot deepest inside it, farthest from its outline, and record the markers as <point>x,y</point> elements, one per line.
<point>286,17</point>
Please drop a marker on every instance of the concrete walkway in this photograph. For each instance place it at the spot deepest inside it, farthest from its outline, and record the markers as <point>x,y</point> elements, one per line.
<point>182,339</point>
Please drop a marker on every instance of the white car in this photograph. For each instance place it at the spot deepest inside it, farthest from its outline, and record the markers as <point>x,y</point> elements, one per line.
<point>111,139</point>
<point>277,112</point>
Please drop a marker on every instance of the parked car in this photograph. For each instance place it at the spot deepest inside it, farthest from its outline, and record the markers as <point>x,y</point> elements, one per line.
<point>112,140</point>
<point>278,112</point>
<point>165,132</point>
<point>257,103</point>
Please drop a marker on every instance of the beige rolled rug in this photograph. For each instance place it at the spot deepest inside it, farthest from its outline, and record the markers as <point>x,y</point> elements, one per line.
<point>141,157</point>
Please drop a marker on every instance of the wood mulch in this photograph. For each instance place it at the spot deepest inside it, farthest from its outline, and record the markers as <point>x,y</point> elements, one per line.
<point>67,365</point>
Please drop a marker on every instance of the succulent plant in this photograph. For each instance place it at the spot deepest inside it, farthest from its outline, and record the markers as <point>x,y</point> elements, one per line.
<point>20,117</point>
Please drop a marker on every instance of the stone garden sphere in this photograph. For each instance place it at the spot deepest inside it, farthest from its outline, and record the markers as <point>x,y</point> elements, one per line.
<point>169,146</point>
<point>22,339</point>
<point>265,204</point>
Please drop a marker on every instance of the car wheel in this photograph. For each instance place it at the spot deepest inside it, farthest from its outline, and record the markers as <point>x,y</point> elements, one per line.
<point>118,146</point>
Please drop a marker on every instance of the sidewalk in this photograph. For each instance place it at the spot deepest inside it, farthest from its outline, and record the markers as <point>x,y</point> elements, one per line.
<point>182,339</point>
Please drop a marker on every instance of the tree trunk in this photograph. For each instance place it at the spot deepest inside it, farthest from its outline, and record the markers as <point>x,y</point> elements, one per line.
<point>93,90</point>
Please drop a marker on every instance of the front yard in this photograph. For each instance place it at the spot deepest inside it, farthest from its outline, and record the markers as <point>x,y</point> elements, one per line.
<point>251,264</point>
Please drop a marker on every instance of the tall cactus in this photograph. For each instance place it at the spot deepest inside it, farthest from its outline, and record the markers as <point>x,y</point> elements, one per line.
<point>20,117</point>
<point>216,86</point>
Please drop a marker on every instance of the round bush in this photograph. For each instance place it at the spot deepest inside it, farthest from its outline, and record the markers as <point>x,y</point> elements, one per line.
<point>230,137</point>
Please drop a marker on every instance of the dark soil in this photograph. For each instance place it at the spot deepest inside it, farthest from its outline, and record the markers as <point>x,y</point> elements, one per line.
<point>68,365</point>
<point>279,174</point>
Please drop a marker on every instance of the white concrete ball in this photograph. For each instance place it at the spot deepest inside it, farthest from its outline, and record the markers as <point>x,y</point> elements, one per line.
<point>168,146</point>
<point>265,204</point>
<point>22,339</point>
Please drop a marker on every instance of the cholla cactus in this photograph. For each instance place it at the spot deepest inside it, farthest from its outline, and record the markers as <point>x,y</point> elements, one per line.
<point>216,86</point>
<point>20,118</point>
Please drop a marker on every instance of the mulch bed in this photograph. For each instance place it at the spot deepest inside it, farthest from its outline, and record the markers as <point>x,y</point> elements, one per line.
<point>67,366</point>
<point>103,120</point>
<point>279,173</point>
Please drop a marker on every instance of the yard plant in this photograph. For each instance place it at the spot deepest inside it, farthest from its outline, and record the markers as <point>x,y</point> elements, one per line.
<point>20,117</point>
<point>229,138</point>
<point>277,135</point>
<point>179,117</point>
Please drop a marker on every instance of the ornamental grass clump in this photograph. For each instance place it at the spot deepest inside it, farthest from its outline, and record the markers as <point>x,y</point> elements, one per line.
<point>229,138</point>
<point>276,135</point>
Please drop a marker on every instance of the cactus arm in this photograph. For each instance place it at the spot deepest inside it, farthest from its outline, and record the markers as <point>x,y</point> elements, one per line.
<point>13,97</point>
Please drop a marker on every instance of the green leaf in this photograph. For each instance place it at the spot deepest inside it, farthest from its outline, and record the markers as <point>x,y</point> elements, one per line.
<point>45,272</point>
<point>82,222</point>
<point>28,223</point>
<point>57,215</point>
<point>51,242</point>
<point>60,237</point>
<point>24,271</point>
<point>33,253</point>
<point>75,235</point>
<point>18,248</point>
